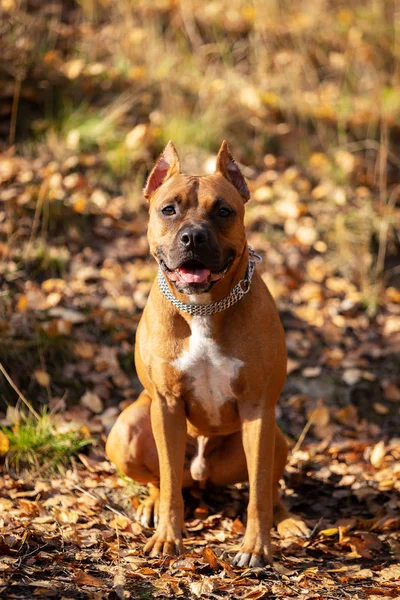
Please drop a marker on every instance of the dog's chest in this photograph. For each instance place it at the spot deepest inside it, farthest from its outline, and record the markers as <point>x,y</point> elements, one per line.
<point>209,372</point>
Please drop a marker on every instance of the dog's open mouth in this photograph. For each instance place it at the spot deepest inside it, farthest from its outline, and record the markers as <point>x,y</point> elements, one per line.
<point>193,272</point>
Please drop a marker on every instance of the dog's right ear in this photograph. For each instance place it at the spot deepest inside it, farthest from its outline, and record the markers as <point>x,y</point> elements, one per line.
<point>167,165</point>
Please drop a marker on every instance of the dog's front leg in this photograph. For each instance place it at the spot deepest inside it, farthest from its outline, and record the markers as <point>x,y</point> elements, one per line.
<point>168,421</point>
<point>258,434</point>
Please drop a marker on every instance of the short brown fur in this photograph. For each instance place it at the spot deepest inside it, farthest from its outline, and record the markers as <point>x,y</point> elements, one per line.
<point>153,437</point>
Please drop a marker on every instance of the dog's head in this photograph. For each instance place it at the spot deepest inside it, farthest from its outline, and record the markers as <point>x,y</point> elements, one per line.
<point>196,229</point>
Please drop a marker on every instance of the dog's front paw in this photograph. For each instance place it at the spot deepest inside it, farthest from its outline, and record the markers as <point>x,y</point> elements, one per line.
<point>255,552</point>
<point>166,541</point>
<point>250,559</point>
<point>293,526</point>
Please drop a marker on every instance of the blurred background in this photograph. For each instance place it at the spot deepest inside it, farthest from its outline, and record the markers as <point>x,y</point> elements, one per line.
<point>307,95</point>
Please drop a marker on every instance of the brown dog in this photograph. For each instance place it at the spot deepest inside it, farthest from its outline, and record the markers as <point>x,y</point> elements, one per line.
<point>210,353</point>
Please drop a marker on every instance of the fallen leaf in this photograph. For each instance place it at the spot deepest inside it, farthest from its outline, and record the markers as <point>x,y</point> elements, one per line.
<point>257,593</point>
<point>203,587</point>
<point>84,350</point>
<point>73,316</point>
<point>147,572</point>
<point>320,415</point>
<point>92,402</point>
<point>42,377</point>
<point>209,556</point>
<point>13,415</point>
<point>311,372</point>
<point>22,303</point>
<point>347,415</point>
<point>391,573</point>
<point>238,527</point>
<point>292,365</point>
<point>379,408</point>
<point>378,454</point>
<point>391,391</point>
<point>83,578</point>
<point>201,512</point>
<point>352,376</point>
<point>4,444</point>
<point>329,532</point>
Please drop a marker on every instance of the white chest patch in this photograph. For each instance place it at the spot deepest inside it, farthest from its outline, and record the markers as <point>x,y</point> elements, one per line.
<point>212,372</point>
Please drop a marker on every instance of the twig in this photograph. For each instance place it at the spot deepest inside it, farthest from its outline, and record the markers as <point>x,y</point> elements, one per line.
<point>116,512</point>
<point>302,435</point>
<point>317,524</point>
<point>36,218</point>
<point>371,145</point>
<point>119,577</point>
<point>20,394</point>
<point>14,110</point>
<point>384,227</point>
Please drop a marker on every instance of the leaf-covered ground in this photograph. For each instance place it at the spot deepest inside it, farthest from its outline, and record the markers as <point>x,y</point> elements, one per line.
<point>75,536</point>
<point>309,101</point>
<point>71,300</point>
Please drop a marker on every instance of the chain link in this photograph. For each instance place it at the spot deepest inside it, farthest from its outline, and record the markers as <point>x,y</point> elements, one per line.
<point>240,290</point>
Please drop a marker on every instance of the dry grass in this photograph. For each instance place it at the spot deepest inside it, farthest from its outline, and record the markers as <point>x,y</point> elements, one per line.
<point>292,78</point>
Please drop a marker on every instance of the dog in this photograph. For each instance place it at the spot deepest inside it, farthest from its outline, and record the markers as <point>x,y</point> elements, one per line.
<point>210,353</point>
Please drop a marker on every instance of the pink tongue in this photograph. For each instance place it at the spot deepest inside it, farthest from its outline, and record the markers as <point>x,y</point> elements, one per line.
<point>193,275</point>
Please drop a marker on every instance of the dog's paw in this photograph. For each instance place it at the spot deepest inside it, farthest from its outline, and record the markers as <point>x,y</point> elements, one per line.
<point>255,550</point>
<point>293,526</point>
<point>250,559</point>
<point>147,511</point>
<point>165,541</point>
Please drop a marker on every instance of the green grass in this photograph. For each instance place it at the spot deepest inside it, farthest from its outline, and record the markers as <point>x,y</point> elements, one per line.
<point>37,445</point>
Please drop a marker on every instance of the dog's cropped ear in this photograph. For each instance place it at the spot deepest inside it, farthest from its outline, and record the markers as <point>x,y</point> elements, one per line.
<point>167,164</point>
<point>229,169</point>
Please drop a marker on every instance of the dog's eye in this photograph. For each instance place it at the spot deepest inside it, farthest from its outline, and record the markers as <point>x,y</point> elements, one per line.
<point>168,211</point>
<point>225,212</point>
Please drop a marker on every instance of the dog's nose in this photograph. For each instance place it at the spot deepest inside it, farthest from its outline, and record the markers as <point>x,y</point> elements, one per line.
<point>192,237</point>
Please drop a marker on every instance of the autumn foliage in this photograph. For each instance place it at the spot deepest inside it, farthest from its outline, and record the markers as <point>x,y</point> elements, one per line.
<point>308,96</point>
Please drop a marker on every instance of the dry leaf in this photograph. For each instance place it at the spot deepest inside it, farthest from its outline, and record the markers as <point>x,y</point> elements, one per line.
<point>42,377</point>
<point>347,415</point>
<point>203,587</point>
<point>4,444</point>
<point>311,372</point>
<point>391,391</point>
<point>22,303</point>
<point>329,532</point>
<point>73,316</point>
<point>292,365</point>
<point>13,415</point>
<point>201,512</point>
<point>352,376</point>
<point>257,593</point>
<point>378,454</point>
<point>379,408</point>
<point>84,350</point>
<point>320,416</point>
<point>237,526</point>
<point>83,578</point>
<point>92,402</point>
<point>209,556</point>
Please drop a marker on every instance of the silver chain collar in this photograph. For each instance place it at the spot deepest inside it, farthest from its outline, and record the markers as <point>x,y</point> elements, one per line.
<point>236,294</point>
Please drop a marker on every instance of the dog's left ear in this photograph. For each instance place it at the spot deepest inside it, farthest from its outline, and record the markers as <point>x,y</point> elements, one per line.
<point>229,169</point>
<point>167,165</point>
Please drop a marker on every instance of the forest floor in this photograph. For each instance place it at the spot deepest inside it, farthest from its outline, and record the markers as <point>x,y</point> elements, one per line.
<point>309,101</point>
<point>67,343</point>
